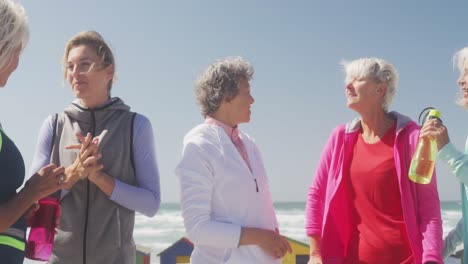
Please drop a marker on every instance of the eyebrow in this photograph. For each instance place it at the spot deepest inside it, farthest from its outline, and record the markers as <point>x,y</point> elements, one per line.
<point>81,59</point>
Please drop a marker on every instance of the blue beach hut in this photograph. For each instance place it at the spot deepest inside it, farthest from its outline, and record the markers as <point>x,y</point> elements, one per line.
<point>179,252</point>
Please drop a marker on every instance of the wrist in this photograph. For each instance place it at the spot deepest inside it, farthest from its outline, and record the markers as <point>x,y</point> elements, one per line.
<point>29,194</point>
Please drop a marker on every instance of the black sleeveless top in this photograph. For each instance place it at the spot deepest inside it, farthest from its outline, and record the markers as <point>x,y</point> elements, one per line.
<point>12,176</point>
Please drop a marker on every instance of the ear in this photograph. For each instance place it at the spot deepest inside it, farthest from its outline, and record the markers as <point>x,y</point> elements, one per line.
<point>110,71</point>
<point>381,89</point>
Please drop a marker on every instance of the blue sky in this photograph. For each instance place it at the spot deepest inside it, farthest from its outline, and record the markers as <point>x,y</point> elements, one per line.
<point>294,46</point>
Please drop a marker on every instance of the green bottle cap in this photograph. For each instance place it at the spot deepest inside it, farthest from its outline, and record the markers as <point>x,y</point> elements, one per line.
<point>434,112</point>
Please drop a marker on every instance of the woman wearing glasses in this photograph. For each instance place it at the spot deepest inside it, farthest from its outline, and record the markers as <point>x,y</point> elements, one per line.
<point>107,178</point>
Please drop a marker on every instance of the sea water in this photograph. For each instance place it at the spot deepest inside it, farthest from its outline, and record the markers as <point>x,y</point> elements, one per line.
<point>162,230</point>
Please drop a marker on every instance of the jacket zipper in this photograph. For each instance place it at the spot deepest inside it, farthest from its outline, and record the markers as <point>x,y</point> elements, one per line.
<point>93,130</point>
<point>256,185</point>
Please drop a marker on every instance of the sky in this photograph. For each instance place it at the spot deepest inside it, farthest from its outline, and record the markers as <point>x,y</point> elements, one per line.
<point>295,47</point>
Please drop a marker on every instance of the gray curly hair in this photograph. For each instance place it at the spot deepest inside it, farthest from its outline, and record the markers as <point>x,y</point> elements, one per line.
<point>14,31</point>
<point>220,82</point>
<point>376,69</point>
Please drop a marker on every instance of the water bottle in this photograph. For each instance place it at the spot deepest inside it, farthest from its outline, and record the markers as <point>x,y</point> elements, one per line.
<point>41,236</point>
<point>423,161</point>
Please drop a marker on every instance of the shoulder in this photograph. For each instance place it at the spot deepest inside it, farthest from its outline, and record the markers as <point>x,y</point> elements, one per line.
<point>140,118</point>
<point>49,122</point>
<point>202,134</point>
<point>140,121</point>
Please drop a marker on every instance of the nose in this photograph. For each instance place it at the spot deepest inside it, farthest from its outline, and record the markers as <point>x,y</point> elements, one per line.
<point>252,100</point>
<point>74,70</point>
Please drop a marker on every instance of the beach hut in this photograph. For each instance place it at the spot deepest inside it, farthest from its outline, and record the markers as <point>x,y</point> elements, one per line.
<point>143,254</point>
<point>299,255</point>
<point>180,252</point>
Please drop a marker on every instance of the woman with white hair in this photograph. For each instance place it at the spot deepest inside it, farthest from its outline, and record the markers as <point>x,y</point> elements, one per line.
<point>361,205</point>
<point>14,205</point>
<point>226,203</point>
<point>457,160</point>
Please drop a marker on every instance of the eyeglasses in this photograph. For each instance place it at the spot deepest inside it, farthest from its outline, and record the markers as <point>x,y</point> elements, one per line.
<point>83,67</point>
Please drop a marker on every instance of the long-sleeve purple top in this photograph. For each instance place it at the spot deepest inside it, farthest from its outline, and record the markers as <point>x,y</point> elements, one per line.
<point>144,198</point>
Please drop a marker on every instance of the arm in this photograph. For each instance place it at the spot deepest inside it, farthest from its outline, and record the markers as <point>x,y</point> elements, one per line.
<point>41,184</point>
<point>428,208</point>
<point>453,239</point>
<point>458,161</point>
<point>430,221</point>
<point>42,154</point>
<point>197,179</point>
<point>44,142</point>
<point>144,198</point>
<point>317,193</point>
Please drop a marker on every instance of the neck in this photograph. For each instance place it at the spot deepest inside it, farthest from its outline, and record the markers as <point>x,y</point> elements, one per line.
<point>375,125</point>
<point>93,102</point>
<point>220,116</point>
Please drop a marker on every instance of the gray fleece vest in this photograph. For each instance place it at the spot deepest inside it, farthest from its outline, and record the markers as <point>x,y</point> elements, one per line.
<point>94,229</point>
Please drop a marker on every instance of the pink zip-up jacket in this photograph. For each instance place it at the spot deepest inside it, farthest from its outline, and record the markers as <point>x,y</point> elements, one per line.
<point>327,208</point>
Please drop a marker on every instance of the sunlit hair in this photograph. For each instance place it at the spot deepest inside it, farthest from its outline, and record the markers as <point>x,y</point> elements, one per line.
<point>14,30</point>
<point>220,82</point>
<point>377,69</point>
<point>95,41</point>
<point>460,60</point>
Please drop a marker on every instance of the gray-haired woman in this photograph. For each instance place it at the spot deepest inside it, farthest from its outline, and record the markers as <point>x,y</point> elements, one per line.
<point>456,159</point>
<point>14,206</point>
<point>361,206</point>
<point>226,203</point>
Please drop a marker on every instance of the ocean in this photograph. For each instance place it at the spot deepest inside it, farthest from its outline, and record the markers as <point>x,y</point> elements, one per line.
<point>160,231</point>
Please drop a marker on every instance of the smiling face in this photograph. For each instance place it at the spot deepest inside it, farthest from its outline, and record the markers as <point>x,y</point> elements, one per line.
<point>239,107</point>
<point>364,93</point>
<point>463,84</point>
<point>86,75</point>
<point>10,66</point>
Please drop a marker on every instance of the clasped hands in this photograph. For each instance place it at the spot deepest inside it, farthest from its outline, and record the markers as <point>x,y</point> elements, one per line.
<point>86,164</point>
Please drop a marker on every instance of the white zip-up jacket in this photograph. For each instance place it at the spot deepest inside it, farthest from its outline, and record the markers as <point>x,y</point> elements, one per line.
<point>220,195</point>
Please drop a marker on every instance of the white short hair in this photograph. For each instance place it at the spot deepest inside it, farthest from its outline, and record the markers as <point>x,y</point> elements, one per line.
<point>460,60</point>
<point>14,31</point>
<point>374,68</point>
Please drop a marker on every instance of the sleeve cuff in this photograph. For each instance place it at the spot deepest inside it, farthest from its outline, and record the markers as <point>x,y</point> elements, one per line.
<point>115,193</point>
<point>448,152</point>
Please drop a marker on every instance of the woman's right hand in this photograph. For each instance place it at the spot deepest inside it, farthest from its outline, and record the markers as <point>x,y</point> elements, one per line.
<point>434,128</point>
<point>46,181</point>
<point>270,241</point>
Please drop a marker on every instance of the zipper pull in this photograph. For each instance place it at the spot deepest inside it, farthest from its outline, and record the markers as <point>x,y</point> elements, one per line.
<point>256,185</point>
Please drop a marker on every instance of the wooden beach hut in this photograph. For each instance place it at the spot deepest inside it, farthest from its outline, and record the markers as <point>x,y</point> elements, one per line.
<point>180,252</point>
<point>299,255</point>
<point>143,254</point>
